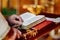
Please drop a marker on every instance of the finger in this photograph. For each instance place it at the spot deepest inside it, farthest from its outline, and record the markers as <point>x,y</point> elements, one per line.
<point>19,34</point>
<point>14,33</point>
<point>20,19</point>
<point>17,22</point>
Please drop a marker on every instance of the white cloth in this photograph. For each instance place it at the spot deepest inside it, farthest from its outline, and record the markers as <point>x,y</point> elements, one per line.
<point>4,27</point>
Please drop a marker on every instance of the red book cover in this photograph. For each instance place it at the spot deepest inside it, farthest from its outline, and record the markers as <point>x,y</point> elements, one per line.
<point>43,28</point>
<point>42,25</point>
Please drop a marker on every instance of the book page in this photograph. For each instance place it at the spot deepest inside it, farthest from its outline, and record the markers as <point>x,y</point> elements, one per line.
<point>26,16</point>
<point>33,19</point>
<point>57,20</point>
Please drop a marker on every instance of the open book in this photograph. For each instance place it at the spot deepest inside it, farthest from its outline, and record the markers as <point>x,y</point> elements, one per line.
<point>4,27</point>
<point>30,20</point>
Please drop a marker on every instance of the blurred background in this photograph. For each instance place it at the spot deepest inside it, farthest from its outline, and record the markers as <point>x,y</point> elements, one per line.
<point>18,5</point>
<point>49,8</point>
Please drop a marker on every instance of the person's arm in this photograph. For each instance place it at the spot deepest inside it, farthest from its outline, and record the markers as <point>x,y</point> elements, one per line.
<point>13,34</point>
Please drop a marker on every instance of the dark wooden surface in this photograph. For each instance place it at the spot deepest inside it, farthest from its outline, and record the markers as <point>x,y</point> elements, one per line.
<point>50,15</point>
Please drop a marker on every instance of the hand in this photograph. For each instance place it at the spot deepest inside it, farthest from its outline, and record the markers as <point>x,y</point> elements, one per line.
<point>13,34</point>
<point>14,19</point>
